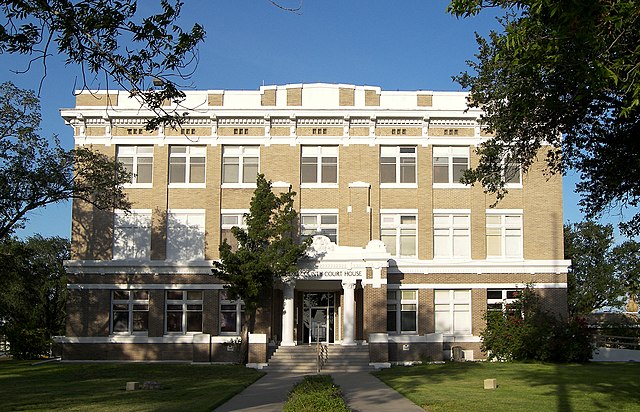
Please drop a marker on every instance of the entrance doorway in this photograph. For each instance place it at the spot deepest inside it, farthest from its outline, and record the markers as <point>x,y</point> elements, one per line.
<point>318,317</point>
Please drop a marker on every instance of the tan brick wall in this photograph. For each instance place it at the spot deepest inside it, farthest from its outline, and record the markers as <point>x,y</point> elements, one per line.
<point>478,309</point>
<point>399,198</point>
<point>425,203</point>
<point>280,131</point>
<point>320,199</point>
<point>236,198</point>
<point>156,312</point>
<point>358,131</point>
<point>187,131</point>
<point>268,97</point>
<point>281,163</point>
<point>425,100</point>
<point>235,131</point>
<point>417,278</point>
<point>216,99</point>
<point>308,131</point>
<point>371,98</point>
<point>347,96</point>
<point>452,131</point>
<point>399,131</point>
<point>94,131</point>
<point>136,131</point>
<point>375,313</point>
<point>87,99</point>
<point>294,97</point>
<point>88,313</point>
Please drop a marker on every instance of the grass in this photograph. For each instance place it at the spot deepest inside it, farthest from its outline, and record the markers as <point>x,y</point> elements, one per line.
<point>101,386</point>
<point>521,386</point>
<point>315,393</point>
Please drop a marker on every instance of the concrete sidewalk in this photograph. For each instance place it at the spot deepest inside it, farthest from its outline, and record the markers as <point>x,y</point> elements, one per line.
<point>362,391</point>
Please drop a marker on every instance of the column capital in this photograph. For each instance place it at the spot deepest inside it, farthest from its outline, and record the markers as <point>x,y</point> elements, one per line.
<point>347,284</point>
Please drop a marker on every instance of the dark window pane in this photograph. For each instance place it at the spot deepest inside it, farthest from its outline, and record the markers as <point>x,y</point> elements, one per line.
<point>194,321</point>
<point>141,321</point>
<point>408,321</point>
<point>228,322</point>
<point>494,294</point>
<point>391,322</point>
<point>174,321</point>
<point>120,321</point>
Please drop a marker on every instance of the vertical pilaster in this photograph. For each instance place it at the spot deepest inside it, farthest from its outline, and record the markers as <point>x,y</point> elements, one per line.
<point>349,326</point>
<point>287,315</point>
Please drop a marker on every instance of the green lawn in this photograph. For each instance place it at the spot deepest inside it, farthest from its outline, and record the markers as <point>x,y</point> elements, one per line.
<point>101,387</point>
<point>521,386</point>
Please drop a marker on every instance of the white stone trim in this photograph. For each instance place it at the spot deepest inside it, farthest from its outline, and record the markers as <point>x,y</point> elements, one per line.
<point>547,285</point>
<point>257,338</point>
<point>137,266</point>
<point>481,266</point>
<point>360,184</point>
<point>504,211</point>
<point>123,339</point>
<point>451,211</point>
<point>141,286</point>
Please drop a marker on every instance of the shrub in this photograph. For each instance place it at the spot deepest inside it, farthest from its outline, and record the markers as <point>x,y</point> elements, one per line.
<point>28,343</point>
<point>316,393</point>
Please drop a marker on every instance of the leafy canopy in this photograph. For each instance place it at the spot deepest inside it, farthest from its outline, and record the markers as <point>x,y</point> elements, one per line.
<point>268,249</point>
<point>108,38</point>
<point>35,173</point>
<point>561,77</point>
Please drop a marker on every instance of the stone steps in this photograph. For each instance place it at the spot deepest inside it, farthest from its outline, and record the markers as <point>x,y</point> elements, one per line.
<point>302,359</point>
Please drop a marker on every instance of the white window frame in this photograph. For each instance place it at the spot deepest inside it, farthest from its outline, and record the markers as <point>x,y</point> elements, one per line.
<point>137,221</point>
<point>318,227</point>
<point>448,226</point>
<point>191,152</point>
<point>504,300</point>
<point>131,303</point>
<point>403,303</point>
<point>319,153</point>
<point>136,153</point>
<point>396,152</point>
<point>449,152</point>
<point>242,153</point>
<point>193,221</point>
<point>506,230</point>
<point>238,309</point>
<point>506,166</point>
<point>450,303</point>
<point>238,218</point>
<point>187,307</point>
<point>391,219</point>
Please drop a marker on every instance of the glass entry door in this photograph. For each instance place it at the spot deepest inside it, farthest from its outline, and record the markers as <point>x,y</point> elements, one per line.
<point>319,317</point>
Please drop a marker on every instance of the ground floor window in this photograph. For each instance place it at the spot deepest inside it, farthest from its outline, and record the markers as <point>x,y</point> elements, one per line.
<point>402,311</point>
<point>231,313</point>
<point>500,300</point>
<point>453,311</point>
<point>183,311</point>
<point>129,311</point>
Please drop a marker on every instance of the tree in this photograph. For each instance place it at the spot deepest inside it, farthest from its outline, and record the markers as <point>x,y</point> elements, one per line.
<point>268,249</point>
<point>592,279</point>
<point>35,173</point>
<point>626,258</point>
<point>561,77</point>
<point>108,38</point>
<point>34,285</point>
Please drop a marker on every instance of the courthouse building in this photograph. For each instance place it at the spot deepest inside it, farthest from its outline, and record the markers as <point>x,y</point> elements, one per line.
<point>405,259</point>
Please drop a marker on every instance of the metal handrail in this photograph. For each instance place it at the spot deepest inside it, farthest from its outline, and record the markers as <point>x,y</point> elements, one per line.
<point>322,353</point>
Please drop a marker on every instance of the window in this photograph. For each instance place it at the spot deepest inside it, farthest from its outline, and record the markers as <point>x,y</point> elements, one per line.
<point>229,219</point>
<point>512,174</point>
<point>319,224</point>
<point>453,311</point>
<point>185,235</point>
<point>398,232</point>
<point>129,311</point>
<point>449,164</point>
<point>137,160</point>
<point>132,234</point>
<point>498,300</point>
<point>504,234</point>
<point>319,164</point>
<point>240,164</point>
<point>398,164</point>
<point>183,311</point>
<point>402,311</point>
<point>231,312</point>
<point>451,235</point>
<point>187,164</point>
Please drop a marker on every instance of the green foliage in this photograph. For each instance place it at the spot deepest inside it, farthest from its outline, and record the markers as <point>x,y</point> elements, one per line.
<point>35,173</point>
<point>268,249</point>
<point>626,258</point>
<point>316,393</point>
<point>592,281</point>
<point>108,38</point>
<point>527,332</point>
<point>34,285</point>
<point>28,343</point>
<point>561,77</point>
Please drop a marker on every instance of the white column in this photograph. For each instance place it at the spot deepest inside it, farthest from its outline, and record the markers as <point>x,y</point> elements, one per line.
<point>287,315</point>
<point>349,324</point>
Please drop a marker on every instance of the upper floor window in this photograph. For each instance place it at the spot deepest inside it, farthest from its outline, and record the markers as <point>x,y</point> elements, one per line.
<point>129,311</point>
<point>319,224</point>
<point>453,311</point>
<point>319,164</point>
<point>398,165</point>
<point>187,164</point>
<point>398,232</point>
<point>183,311</point>
<point>451,235</point>
<point>132,234</point>
<point>240,164</point>
<point>499,300</point>
<point>504,234</point>
<point>402,311</point>
<point>185,235</point>
<point>449,164</point>
<point>137,160</point>
<point>229,219</point>
<point>512,174</point>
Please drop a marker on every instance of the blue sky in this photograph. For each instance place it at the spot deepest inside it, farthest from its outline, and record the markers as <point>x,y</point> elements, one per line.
<point>403,45</point>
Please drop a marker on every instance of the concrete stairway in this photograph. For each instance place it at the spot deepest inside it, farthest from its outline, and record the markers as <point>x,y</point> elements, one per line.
<point>302,359</point>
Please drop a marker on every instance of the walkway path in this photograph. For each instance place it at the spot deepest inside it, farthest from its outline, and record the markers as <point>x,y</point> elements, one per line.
<point>362,391</point>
